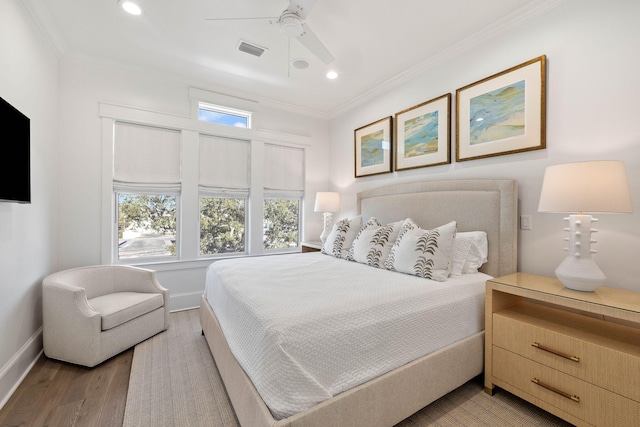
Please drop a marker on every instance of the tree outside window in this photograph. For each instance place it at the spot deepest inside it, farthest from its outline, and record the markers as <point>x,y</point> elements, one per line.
<point>146,225</point>
<point>222,225</point>
<point>281,220</point>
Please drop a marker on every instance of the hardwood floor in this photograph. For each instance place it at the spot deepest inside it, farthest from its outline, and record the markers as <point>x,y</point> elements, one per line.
<point>61,394</point>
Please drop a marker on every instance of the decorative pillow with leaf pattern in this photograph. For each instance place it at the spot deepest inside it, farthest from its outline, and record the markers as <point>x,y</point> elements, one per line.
<point>341,238</point>
<point>374,242</point>
<point>423,253</point>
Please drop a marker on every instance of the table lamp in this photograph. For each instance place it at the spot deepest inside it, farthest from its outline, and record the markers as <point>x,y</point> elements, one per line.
<point>576,188</point>
<point>327,202</point>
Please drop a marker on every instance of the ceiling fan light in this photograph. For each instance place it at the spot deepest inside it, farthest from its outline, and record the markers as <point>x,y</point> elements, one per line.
<point>290,25</point>
<point>131,7</point>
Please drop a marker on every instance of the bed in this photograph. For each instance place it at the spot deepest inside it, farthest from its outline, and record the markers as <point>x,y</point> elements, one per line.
<point>389,391</point>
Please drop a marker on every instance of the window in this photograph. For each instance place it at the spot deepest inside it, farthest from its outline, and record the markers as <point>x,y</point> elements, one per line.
<point>222,225</point>
<point>223,186</point>
<point>178,191</point>
<point>146,183</point>
<point>281,222</point>
<point>283,191</point>
<point>146,225</point>
<point>224,115</point>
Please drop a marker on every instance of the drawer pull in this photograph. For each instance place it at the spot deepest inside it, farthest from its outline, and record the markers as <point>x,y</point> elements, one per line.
<point>556,352</point>
<point>555,390</point>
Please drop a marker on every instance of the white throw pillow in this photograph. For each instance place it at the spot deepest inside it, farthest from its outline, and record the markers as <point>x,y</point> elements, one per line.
<point>423,253</point>
<point>459,255</point>
<point>478,251</point>
<point>374,242</point>
<point>341,237</point>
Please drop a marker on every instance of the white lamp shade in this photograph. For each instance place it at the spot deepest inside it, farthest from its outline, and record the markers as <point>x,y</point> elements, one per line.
<point>327,201</point>
<point>594,187</point>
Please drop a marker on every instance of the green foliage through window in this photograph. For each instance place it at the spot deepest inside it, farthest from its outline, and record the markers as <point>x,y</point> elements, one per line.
<point>222,225</point>
<point>281,218</point>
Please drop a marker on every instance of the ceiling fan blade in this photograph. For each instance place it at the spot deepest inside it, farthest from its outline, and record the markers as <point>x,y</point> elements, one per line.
<point>301,7</point>
<point>313,43</point>
<point>242,19</point>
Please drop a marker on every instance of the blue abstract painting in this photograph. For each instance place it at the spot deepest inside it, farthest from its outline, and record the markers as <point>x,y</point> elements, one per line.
<point>498,114</point>
<point>421,135</point>
<point>371,152</point>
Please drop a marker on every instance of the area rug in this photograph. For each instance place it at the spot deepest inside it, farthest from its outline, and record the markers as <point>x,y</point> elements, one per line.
<point>174,382</point>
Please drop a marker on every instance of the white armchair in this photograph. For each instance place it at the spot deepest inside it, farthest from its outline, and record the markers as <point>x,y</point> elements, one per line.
<point>93,313</point>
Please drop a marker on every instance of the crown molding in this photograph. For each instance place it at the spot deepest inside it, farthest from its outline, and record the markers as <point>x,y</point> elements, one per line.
<point>42,17</point>
<point>507,23</point>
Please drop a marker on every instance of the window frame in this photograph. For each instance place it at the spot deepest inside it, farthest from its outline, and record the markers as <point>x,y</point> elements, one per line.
<point>187,202</point>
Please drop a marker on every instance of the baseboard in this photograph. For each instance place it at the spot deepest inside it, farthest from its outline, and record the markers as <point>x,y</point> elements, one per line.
<point>185,301</point>
<point>12,374</point>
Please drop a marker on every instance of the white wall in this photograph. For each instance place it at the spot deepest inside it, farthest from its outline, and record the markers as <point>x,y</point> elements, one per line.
<point>83,85</point>
<point>592,114</point>
<point>28,238</point>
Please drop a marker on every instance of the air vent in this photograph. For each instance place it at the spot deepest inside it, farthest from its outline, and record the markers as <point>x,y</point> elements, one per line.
<point>251,48</point>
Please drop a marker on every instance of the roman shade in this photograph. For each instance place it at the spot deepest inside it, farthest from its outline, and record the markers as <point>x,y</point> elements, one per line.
<point>224,166</point>
<point>283,171</point>
<point>146,157</point>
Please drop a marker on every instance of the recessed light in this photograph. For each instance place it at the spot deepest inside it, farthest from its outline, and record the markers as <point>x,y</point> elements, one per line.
<point>131,7</point>
<point>332,75</point>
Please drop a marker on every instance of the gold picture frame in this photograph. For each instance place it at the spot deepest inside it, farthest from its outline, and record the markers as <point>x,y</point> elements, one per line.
<point>503,113</point>
<point>372,146</point>
<point>423,135</point>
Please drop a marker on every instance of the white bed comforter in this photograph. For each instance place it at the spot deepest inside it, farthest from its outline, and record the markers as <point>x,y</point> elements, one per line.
<point>306,327</point>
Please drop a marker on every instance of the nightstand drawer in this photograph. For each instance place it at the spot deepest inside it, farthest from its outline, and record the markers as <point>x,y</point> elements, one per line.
<point>601,353</point>
<point>569,394</point>
<point>311,247</point>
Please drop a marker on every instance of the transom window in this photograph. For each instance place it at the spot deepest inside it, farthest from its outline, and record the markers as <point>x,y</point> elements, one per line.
<point>224,115</point>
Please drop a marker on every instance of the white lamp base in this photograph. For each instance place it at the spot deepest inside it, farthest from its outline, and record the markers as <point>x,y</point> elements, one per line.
<point>578,271</point>
<point>327,216</point>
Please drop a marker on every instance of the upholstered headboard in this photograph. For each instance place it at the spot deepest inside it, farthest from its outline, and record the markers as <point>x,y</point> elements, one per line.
<point>488,205</point>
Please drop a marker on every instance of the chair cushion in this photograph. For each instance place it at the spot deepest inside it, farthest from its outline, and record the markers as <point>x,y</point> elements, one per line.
<point>120,307</point>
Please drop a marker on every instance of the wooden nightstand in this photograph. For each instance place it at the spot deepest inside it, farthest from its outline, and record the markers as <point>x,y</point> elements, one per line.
<point>311,246</point>
<point>574,354</point>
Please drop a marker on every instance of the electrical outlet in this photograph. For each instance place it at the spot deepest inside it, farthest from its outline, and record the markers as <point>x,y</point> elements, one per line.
<point>525,222</point>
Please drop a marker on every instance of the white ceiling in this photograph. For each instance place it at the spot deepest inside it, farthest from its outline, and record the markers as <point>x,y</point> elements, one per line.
<point>374,42</point>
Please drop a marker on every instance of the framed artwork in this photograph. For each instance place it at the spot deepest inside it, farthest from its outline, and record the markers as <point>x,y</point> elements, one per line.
<point>373,148</point>
<point>503,113</point>
<point>422,134</point>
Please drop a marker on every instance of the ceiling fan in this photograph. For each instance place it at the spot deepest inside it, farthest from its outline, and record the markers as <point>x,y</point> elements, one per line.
<point>291,23</point>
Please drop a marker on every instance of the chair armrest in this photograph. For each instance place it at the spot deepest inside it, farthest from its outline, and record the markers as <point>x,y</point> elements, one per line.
<point>70,325</point>
<point>63,294</point>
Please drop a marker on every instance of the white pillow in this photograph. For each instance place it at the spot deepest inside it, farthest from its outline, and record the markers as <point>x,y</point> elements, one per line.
<point>477,253</point>
<point>374,242</point>
<point>459,255</point>
<point>341,237</point>
<point>423,253</point>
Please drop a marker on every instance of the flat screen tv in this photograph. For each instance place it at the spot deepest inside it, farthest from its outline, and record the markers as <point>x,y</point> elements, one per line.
<point>15,172</point>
